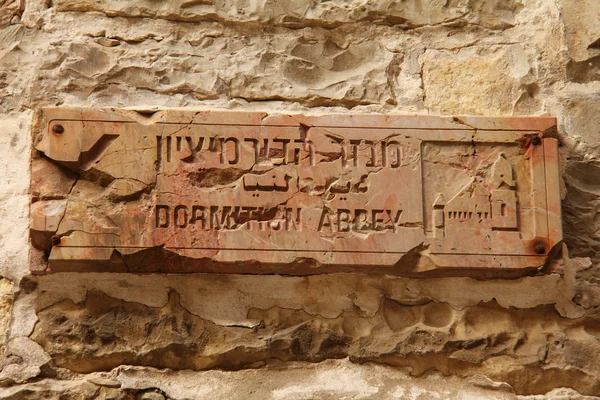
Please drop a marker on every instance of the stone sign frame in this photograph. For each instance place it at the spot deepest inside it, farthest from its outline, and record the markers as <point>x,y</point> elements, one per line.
<point>115,159</point>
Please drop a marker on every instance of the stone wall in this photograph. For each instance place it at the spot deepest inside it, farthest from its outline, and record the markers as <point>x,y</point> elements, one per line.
<point>119,336</point>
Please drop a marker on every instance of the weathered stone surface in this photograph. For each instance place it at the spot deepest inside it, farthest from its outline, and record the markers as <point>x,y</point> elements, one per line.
<point>493,80</point>
<point>14,197</point>
<point>321,69</point>
<point>582,28</point>
<point>581,172</point>
<point>582,119</point>
<point>6,301</point>
<point>308,58</point>
<point>183,320</point>
<point>408,14</point>
<point>529,349</point>
<point>314,67</point>
<point>298,194</point>
<point>25,360</point>
<point>326,380</point>
<point>49,180</point>
<point>331,379</point>
<point>63,389</point>
<point>10,12</point>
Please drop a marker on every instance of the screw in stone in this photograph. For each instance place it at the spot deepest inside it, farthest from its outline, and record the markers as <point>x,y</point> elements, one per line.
<point>536,141</point>
<point>58,129</point>
<point>540,249</point>
<point>55,240</point>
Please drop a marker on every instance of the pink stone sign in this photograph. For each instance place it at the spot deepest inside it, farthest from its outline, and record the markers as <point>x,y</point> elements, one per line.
<point>253,192</point>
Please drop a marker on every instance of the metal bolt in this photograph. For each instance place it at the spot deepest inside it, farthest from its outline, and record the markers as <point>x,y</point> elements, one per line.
<point>536,141</point>
<point>55,240</point>
<point>539,249</point>
<point>58,129</point>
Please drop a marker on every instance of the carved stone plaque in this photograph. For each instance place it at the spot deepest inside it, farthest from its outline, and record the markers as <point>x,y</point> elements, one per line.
<point>252,192</point>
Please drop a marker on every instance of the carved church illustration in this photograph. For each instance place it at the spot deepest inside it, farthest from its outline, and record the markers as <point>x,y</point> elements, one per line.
<point>481,204</point>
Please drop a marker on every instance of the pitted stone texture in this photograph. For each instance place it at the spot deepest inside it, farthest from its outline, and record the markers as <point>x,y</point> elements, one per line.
<point>147,320</point>
<point>530,349</point>
<point>408,14</point>
<point>317,68</point>
<point>182,64</point>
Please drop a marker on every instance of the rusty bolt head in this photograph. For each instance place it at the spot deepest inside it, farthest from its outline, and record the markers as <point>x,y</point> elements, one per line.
<point>539,249</point>
<point>58,129</point>
<point>536,141</point>
<point>55,240</point>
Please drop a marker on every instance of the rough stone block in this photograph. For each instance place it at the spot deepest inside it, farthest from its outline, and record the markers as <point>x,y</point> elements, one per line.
<point>582,28</point>
<point>406,14</point>
<point>481,81</point>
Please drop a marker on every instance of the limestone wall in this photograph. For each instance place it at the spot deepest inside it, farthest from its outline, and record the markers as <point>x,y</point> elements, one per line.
<point>196,336</point>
